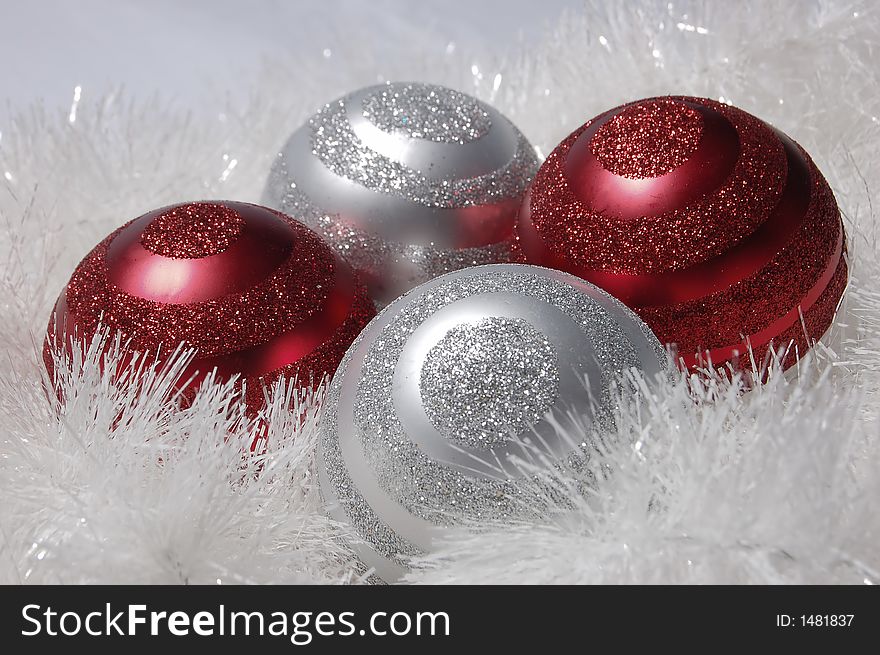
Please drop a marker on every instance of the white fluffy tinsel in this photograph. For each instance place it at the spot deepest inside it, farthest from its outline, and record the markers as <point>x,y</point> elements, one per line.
<point>704,484</point>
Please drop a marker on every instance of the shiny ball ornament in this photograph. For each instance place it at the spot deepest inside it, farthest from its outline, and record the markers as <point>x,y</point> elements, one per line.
<point>451,383</point>
<point>254,292</point>
<point>406,181</point>
<point>717,229</point>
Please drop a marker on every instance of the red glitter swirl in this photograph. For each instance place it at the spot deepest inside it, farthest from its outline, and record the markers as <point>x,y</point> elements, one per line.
<point>648,139</point>
<point>728,248</point>
<point>196,229</point>
<point>276,300</point>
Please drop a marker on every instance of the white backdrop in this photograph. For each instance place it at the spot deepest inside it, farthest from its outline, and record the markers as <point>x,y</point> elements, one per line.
<point>190,52</point>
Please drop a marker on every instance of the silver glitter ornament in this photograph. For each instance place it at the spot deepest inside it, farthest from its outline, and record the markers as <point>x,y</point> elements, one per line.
<point>407,182</point>
<point>451,384</point>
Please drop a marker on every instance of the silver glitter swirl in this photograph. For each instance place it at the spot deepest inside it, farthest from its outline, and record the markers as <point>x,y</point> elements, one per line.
<point>393,475</point>
<point>406,181</point>
<point>486,381</point>
<point>336,144</point>
<point>421,111</point>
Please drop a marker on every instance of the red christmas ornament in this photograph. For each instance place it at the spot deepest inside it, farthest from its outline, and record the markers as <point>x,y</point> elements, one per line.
<point>254,292</point>
<point>717,229</point>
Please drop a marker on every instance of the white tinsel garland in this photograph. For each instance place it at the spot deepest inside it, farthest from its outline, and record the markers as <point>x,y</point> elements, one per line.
<point>707,484</point>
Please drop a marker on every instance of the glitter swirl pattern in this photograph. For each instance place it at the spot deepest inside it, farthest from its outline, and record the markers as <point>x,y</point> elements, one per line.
<point>486,381</point>
<point>717,229</point>
<point>335,143</point>
<point>648,139</point>
<point>406,181</point>
<point>425,112</point>
<point>378,459</point>
<point>193,230</point>
<point>280,303</point>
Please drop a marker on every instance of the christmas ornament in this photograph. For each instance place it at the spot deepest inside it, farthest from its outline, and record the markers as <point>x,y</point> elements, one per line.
<point>406,181</point>
<point>254,292</point>
<point>717,229</point>
<point>452,382</point>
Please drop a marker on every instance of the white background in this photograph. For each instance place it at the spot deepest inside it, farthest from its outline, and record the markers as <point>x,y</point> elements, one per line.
<point>187,51</point>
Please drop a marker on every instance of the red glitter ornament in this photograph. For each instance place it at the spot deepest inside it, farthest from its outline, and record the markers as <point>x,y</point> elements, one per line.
<point>717,229</point>
<point>254,292</point>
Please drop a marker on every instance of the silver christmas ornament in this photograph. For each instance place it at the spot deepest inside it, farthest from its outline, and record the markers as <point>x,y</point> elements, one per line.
<point>407,182</point>
<point>451,384</point>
